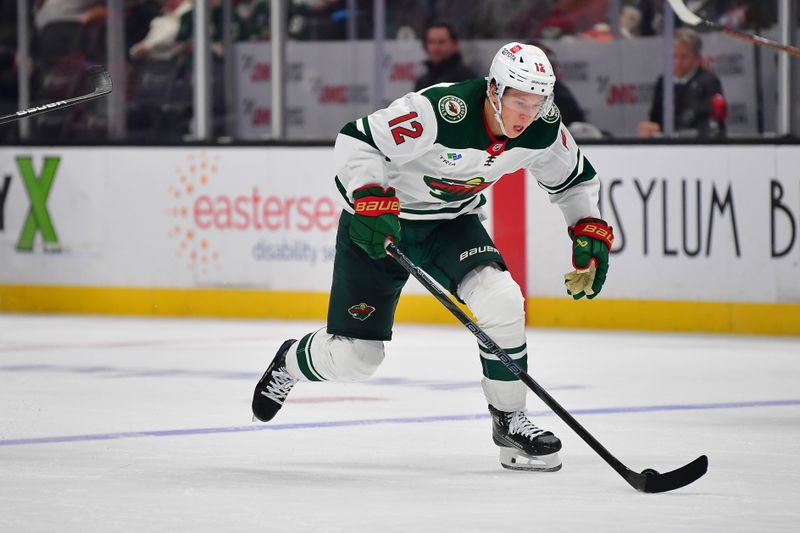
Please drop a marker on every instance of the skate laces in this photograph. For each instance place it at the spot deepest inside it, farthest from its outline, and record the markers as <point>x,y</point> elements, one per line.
<point>279,385</point>
<point>518,423</point>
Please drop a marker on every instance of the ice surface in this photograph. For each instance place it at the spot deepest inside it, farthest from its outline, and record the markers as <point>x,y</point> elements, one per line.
<point>113,424</point>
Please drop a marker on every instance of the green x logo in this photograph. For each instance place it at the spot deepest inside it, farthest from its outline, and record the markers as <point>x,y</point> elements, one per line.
<point>38,219</point>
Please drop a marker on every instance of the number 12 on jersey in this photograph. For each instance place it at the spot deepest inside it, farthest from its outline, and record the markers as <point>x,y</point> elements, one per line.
<point>401,132</point>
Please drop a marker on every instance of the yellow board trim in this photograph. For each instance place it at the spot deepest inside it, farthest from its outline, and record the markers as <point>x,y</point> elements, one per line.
<point>664,315</point>
<point>637,315</point>
<point>222,303</point>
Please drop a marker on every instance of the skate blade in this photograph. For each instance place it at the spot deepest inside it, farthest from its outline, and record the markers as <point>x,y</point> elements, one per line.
<point>513,459</point>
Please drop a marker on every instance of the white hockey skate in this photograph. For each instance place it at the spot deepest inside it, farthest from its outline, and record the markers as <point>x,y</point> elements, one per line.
<point>523,446</point>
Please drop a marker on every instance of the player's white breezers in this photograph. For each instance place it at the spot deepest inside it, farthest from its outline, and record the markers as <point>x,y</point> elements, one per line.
<point>514,459</point>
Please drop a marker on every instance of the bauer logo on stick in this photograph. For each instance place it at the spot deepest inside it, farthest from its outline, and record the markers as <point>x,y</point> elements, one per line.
<point>361,311</point>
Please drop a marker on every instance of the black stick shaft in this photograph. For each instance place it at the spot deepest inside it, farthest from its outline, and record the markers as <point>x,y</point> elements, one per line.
<point>98,75</point>
<point>692,19</point>
<point>61,104</point>
<point>757,39</point>
<point>562,413</point>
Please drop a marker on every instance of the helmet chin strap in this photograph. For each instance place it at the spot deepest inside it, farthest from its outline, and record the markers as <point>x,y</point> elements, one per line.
<point>497,110</point>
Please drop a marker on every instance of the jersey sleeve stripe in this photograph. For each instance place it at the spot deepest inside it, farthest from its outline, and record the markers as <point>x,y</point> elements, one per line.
<point>587,173</point>
<point>368,131</point>
<point>359,129</point>
<point>584,171</point>
<point>564,184</point>
<point>342,191</point>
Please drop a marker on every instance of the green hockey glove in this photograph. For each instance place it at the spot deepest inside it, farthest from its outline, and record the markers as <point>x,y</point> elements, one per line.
<point>376,217</point>
<point>591,242</point>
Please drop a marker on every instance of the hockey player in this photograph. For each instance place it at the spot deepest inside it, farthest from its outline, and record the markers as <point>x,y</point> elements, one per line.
<point>414,172</point>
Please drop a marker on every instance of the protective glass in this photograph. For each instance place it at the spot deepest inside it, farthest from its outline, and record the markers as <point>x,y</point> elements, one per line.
<point>524,104</point>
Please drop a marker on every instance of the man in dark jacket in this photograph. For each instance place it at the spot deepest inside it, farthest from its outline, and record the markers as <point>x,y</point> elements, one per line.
<point>444,59</point>
<point>699,104</point>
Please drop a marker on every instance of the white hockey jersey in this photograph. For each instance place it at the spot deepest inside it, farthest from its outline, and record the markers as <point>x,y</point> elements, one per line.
<point>435,148</point>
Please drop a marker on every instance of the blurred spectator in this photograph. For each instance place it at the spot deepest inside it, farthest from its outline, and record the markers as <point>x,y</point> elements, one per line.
<point>8,24</point>
<point>186,27</point>
<point>748,14</point>
<point>630,22</point>
<point>567,103</point>
<point>254,17</point>
<point>444,58</point>
<point>83,11</point>
<point>493,19</point>
<point>138,15</point>
<point>69,26</point>
<point>161,42</point>
<point>8,65</point>
<point>70,34</point>
<point>570,17</point>
<point>636,18</point>
<point>406,19</point>
<point>510,19</point>
<point>599,32</point>
<point>317,20</point>
<point>699,106</point>
<point>737,14</point>
<point>460,17</point>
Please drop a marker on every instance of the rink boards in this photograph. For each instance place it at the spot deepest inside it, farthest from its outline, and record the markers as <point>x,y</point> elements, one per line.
<point>708,237</point>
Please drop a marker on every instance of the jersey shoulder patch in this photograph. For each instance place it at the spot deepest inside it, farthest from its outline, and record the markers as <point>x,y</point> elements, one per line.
<point>451,108</point>
<point>459,112</point>
<point>553,116</point>
<point>453,101</point>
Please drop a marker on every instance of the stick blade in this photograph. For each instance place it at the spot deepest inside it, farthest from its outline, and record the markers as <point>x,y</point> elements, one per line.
<point>684,13</point>
<point>654,482</point>
<point>100,79</point>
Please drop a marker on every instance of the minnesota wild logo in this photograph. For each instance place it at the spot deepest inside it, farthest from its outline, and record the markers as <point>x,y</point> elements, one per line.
<point>361,311</point>
<point>553,114</point>
<point>449,190</point>
<point>452,108</point>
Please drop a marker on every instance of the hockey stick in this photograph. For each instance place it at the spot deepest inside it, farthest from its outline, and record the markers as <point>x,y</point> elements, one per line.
<point>648,481</point>
<point>687,16</point>
<point>101,80</point>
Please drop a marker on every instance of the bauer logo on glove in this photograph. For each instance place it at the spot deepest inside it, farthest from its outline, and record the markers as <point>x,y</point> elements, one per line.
<point>591,243</point>
<point>376,218</point>
<point>376,207</point>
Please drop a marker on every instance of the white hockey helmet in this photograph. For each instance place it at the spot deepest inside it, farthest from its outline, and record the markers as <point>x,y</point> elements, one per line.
<point>523,67</point>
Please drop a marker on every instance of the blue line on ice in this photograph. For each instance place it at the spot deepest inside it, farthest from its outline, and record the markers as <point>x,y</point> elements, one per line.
<point>375,421</point>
